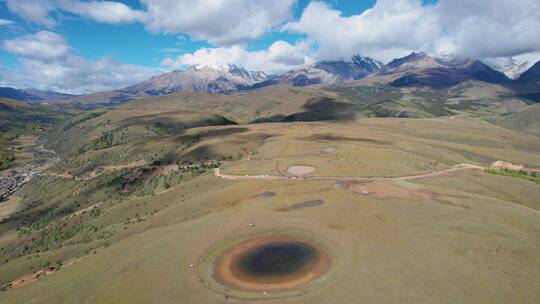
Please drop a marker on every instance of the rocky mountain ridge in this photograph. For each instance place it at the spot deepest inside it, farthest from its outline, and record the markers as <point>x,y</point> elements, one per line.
<point>414,70</point>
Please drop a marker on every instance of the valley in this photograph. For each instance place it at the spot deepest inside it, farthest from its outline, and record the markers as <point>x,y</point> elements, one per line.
<point>385,184</point>
<point>272,152</point>
<point>12,179</point>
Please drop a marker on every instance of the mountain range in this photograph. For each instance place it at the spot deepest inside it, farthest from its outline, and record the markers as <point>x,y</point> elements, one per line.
<point>414,70</point>
<point>32,94</point>
<point>511,67</point>
<point>325,72</point>
<point>531,75</point>
<point>220,78</point>
<point>422,70</point>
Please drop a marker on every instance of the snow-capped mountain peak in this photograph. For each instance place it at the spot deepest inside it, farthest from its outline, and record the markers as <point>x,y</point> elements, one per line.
<point>366,63</point>
<point>219,67</point>
<point>222,67</point>
<point>232,69</point>
<point>213,78</point>
<point>512,67</point>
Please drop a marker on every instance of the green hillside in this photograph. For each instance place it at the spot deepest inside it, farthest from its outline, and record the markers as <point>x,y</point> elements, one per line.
<point>18,117</point>
<point>525,120</point>
<point>135,212</point>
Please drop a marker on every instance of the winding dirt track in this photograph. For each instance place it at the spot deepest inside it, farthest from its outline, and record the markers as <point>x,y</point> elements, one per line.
<point>218,173</point>
<point>459,167</point>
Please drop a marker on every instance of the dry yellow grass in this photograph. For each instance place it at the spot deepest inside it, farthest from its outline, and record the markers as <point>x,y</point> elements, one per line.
<point>9,206</point>
<point>464,236</point>
<point>462,245</point>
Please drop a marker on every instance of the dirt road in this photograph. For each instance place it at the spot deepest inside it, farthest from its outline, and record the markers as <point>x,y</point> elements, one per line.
<point>459,167</point>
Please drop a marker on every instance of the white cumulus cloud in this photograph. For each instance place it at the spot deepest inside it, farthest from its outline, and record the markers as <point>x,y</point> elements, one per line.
<point>496,29</point>
<point>41,45</point>
<point>220,22</point>
<point>489,28</point>
<point>104,11</point>
<point>33,11</point>
<point>41,11</point>
<point>5,22</point>
<point>389,29</point>
<point>47,62</point>
<point>279,57</point>
<point>477,29</point>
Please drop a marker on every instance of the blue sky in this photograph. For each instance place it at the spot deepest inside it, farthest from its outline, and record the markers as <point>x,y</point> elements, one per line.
<point>131,43</point>
<point>89,45</point>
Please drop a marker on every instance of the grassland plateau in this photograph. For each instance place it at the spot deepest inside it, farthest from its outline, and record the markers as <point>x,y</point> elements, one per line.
<point>387,194</point>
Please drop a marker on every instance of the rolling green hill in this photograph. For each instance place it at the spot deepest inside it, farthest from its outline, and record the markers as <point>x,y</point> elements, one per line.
<point>476,98</point>
<point>134,211</point>
<point>147,219</point>
<point>526,120</point>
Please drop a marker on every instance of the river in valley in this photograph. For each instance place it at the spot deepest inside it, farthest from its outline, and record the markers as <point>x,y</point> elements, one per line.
<point>12,179</point>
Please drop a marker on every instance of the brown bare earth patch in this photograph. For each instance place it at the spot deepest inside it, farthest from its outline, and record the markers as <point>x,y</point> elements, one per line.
<point>77,213</point>
<point>300,170</point>
<point>31,278</point>
<point>506,165</point>
<point>390,190</point>
<point>21,282</point>
<point>500,164</point>
<point>229,274</point>
<point>164,169</point>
